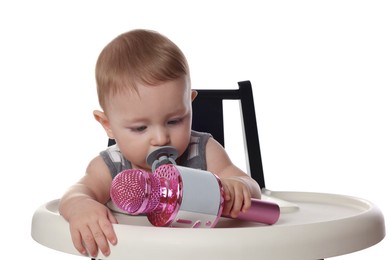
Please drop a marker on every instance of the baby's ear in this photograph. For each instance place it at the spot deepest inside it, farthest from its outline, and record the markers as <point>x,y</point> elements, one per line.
<point>103,120</point>
<point>194,93</point>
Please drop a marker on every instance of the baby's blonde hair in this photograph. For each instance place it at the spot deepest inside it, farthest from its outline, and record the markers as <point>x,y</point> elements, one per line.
<point>138,56</point>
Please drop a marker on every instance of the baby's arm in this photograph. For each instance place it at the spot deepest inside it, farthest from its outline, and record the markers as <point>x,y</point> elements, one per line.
<point>83,207</point>
<point>238,186</point>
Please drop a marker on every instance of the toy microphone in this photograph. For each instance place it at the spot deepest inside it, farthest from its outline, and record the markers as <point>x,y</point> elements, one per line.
<point>178,196</point>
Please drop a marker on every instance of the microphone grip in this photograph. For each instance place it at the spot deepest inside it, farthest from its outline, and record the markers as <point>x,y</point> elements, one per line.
<point>261,211</point>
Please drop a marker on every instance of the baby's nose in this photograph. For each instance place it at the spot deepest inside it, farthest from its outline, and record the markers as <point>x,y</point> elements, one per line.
<point>161,137</point>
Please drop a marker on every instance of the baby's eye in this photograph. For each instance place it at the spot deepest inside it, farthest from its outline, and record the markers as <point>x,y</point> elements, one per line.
<point>175,121</point>
<point>138,128</point>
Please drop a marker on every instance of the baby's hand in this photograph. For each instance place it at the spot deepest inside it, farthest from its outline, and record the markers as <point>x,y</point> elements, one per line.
<point>237,196</point>
<point>91,227</point>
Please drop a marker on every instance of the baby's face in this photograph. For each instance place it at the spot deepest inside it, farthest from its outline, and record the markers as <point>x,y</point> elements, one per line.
<point>156,116</point>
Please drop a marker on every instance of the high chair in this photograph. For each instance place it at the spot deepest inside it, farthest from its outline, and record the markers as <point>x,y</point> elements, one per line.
<point>311,226</point>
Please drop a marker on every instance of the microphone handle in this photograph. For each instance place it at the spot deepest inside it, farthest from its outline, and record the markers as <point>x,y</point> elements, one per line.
<point>260,211</point>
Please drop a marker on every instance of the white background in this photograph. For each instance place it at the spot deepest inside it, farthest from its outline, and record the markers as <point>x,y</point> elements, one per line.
<point>320,72</point>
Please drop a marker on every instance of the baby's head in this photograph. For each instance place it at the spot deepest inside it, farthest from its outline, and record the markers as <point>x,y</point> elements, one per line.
<point>138,57</point>
<point>143,85</point>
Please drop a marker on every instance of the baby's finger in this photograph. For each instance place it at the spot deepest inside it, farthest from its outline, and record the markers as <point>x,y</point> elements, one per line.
<point>89,241</point>
<point>112,218</point>
<point>247,201</point>
<point>78,242</point>
<point>100,239</point>
<point>227,206</point>
<point>237,204</point>
<point>227,194</point>
<point>109,230</point>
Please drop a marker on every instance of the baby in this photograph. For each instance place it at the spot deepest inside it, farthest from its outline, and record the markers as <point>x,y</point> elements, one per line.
<point>144,90</point>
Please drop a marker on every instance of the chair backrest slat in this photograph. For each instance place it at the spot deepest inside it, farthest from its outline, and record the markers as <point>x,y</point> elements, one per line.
<point>208,117</point>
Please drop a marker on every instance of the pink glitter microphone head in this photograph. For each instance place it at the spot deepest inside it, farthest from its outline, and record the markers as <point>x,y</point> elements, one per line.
<point>139,192</point>
<point>135,191</point>
<point>171,195</point>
